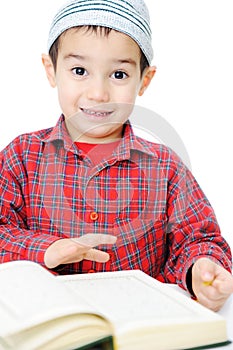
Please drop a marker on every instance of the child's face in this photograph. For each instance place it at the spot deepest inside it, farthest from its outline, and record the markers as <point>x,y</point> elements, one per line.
<point>98,79</point>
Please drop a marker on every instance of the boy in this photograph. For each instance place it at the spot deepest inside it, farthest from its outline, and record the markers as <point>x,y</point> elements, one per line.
<point>90,183</point>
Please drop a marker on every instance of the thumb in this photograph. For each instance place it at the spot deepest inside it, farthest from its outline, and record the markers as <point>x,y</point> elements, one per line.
<point>207,270</point>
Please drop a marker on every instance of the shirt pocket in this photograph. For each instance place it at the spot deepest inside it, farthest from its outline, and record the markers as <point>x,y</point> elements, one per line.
<point>141,244</point>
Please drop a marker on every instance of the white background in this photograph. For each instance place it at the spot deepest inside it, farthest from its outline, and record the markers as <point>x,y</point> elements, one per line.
<point>192,90</point>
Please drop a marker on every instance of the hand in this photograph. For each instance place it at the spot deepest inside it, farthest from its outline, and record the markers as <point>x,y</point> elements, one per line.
<point>211,283</point>
<point>67,250</point>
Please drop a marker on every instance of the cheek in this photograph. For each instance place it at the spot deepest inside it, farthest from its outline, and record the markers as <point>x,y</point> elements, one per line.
<point>125,109</point>
<point>67,97</point>
<point>128,94</point>
<point>62,99</point>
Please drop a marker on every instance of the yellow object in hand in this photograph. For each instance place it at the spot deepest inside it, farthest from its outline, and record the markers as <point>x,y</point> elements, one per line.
<point>207,283</point>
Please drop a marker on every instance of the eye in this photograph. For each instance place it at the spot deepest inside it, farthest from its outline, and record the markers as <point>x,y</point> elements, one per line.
<point>79,71</point>
<point>119,75</point>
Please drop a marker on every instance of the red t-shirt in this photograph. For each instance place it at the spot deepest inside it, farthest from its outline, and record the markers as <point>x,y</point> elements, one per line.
<point>97,152</point>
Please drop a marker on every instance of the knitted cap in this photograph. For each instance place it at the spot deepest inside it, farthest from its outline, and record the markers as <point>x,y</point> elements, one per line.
<point>130,17</point>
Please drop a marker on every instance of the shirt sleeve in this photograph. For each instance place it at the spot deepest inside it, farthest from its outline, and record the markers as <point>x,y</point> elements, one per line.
<point>192,230</point>
<point>17,241</point>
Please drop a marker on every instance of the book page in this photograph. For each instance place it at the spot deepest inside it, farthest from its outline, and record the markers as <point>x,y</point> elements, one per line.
<point>139,308</point>
<point>29,294</point>
<point>132,297</point>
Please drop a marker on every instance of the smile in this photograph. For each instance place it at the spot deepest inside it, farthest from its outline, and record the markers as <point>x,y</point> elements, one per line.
<point>99,114</point>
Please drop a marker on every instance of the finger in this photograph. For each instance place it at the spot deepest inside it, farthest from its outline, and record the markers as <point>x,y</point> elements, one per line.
<point>96,255</point>
<point>86,254</point>
<point>213,296</point>
<point>207,275</point>
<point>206,270</point>
<point>214,305</point>
<point>216,276</point>
<point>91,240</point>
<point>212,293</point>
<point>224,287</point>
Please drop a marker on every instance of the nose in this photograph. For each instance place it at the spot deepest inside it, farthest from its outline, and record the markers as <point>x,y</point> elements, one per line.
<point>98,90</point>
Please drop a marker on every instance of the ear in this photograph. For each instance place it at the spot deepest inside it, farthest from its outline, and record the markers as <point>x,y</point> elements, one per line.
<point>49,69</point>
<point>146,79</point>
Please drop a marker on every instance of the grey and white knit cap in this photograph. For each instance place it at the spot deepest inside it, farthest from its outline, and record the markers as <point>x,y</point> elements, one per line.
<point>130,17</point>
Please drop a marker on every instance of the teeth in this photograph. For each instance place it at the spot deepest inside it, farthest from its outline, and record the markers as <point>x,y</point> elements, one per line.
<point>98,114</point>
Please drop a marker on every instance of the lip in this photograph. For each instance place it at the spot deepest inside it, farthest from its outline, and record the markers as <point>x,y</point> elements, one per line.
<point>95,113</point>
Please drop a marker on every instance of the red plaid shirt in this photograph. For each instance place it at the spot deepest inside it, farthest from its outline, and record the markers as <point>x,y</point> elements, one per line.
<point>141,192</point>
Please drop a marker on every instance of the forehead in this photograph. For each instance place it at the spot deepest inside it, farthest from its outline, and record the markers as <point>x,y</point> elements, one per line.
<point>107,38</point>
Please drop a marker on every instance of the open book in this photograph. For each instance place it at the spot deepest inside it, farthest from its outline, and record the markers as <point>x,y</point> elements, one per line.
<point>125,310</point>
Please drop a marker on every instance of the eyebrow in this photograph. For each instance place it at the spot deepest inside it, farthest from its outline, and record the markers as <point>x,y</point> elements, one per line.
<point>118,61</point>
<point>71,55</point>
<point>126,60</point>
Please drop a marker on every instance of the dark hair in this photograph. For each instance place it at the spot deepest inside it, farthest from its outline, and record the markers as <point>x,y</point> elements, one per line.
<point>53,52</point>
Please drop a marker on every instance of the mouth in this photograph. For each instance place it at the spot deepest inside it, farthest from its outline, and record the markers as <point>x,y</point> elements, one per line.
<point>96,113</point>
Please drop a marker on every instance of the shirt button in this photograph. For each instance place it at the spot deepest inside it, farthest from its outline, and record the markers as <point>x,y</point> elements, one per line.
<point>94,216</point>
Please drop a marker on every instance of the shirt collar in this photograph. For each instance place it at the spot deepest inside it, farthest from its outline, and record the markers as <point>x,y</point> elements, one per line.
<point>60,134</point>
<point>129,142</point>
